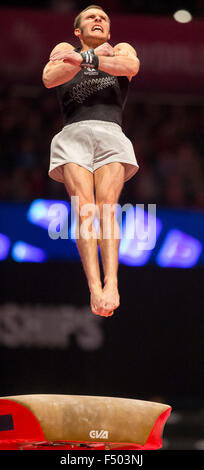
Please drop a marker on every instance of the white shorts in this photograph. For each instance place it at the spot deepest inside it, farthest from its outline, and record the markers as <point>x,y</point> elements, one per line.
<point>91,144</point>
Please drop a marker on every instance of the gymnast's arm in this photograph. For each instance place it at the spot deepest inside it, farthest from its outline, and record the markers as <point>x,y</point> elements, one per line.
<point>65,63</point>
<point>58,72</point>
<point>124,63</point>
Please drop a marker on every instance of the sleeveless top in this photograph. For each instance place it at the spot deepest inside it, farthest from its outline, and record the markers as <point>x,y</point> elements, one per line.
<point>93,95</point>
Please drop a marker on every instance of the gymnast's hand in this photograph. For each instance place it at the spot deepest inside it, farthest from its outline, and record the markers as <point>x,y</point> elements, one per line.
<point>104,50</point>
<point>74,58</point>
<point>67,55</point>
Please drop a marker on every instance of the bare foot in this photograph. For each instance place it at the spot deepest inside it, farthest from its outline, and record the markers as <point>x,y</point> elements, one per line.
<point>111,298</point>
<point>97,303</point>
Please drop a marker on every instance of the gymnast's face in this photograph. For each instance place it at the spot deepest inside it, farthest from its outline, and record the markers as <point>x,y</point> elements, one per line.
<point>94,27</point>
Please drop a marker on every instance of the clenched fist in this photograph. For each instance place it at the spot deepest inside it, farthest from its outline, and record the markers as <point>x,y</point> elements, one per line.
<point>67,55</point>
<point>104,50</point>
<point>74,58</point>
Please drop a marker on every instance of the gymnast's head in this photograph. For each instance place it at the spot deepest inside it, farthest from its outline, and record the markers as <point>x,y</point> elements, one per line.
<point>92,26</point>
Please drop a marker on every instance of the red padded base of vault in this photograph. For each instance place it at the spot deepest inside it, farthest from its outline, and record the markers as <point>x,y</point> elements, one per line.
<point>24,432</point>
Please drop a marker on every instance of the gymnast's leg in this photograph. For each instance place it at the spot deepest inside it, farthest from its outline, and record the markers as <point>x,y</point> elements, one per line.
<point>79,182</point>
<point>109,181</point>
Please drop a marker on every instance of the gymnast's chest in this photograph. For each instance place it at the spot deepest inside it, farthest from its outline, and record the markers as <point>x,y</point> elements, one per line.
<point>88,83</point>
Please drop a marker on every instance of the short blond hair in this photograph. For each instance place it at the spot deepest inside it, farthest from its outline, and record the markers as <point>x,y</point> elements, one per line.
<point>77,21</point>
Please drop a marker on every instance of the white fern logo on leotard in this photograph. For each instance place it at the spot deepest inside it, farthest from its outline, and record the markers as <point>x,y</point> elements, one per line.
<point>83,90</point>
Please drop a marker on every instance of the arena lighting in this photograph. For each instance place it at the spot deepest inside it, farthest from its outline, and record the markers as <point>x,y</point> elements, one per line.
<point>187,223</point>
<point>4,246</point>
<point>129,253</point>
<point>38,211</point>
<point>22,251</point>
<point>182,16</point>
<point>179,250</point>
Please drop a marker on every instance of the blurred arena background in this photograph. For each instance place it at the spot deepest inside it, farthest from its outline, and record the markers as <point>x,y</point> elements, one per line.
<point>50,342</point>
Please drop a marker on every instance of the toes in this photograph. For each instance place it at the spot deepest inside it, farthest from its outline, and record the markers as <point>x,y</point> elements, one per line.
<point>103,307</point>
<point>110,305</point>
<point>110,313</point>
<point>98,310</point>
<point>104,314</point>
